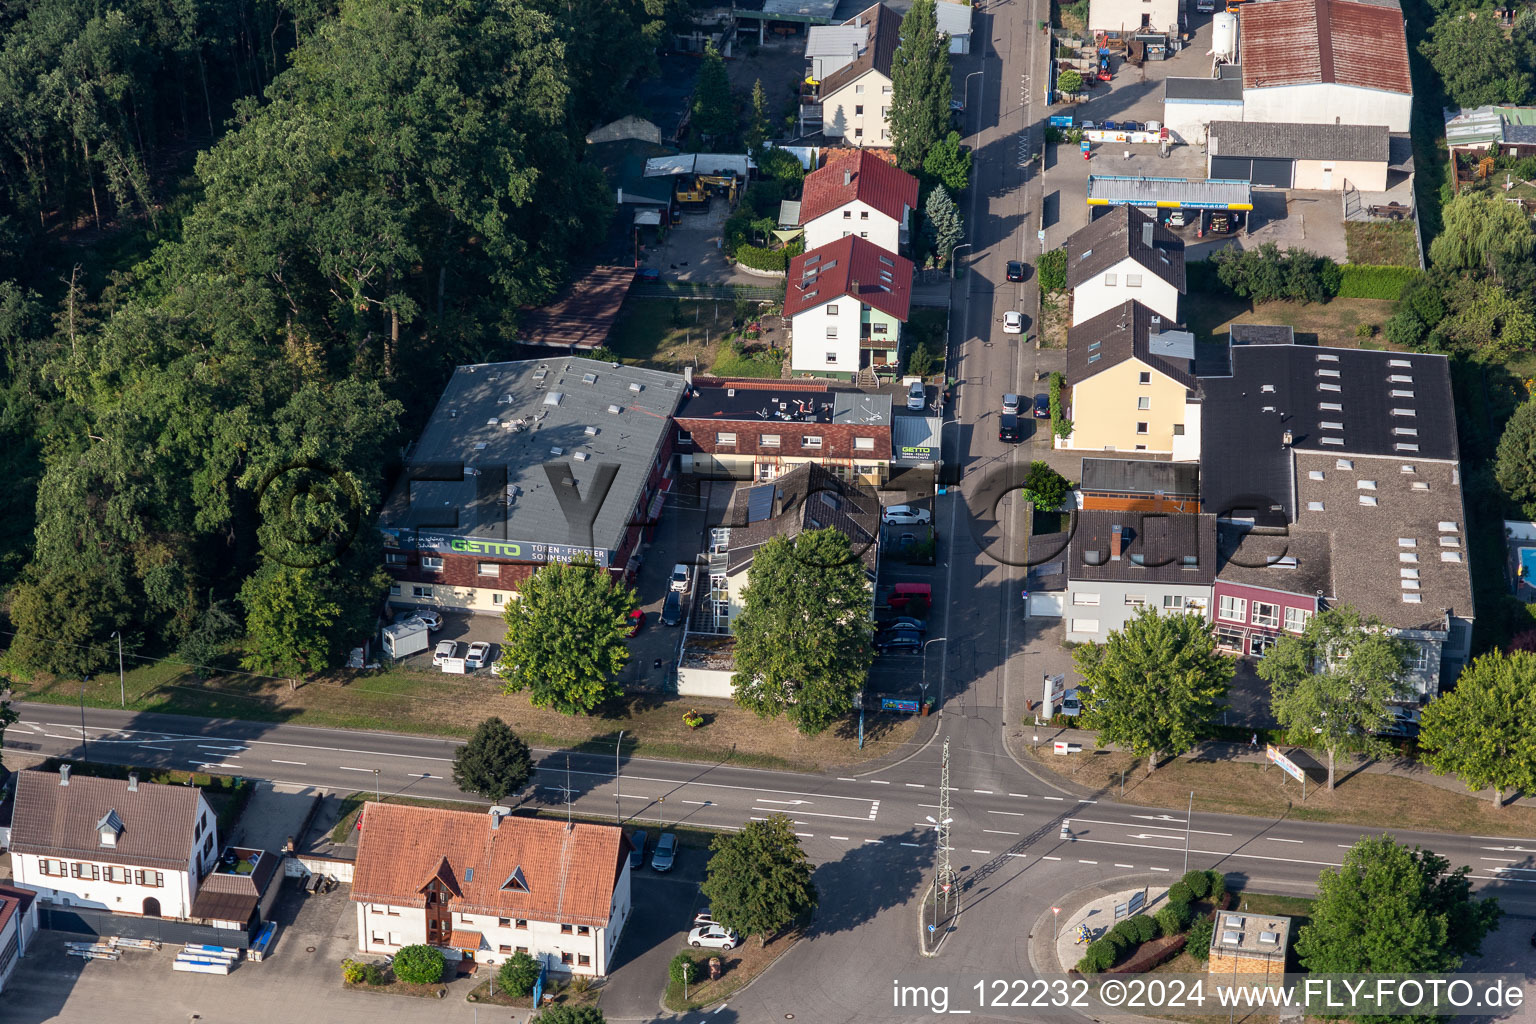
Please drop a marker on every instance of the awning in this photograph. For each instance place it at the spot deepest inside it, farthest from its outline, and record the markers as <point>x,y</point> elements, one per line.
<point>653,512</point>
<point>649,218</point>
<point>466,940</point>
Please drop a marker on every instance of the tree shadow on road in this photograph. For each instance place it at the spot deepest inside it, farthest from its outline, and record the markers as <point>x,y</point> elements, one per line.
<point>870,879</point>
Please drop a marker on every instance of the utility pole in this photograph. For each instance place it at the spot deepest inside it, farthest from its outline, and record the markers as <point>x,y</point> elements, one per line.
<point>376,797</point>
<point>567,790</point>
<point>122,690</point>
<point>1187,815</point>
<point>945,882</point>
<point>618,780</point>
<point>85,750</point>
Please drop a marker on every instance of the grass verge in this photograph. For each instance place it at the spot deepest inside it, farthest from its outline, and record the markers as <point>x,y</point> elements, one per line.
<point>738,968</point>
<point>554,992</point>
<point>1388,244</point>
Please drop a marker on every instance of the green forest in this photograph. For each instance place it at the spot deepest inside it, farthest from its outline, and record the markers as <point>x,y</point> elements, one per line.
<point>239,240</point>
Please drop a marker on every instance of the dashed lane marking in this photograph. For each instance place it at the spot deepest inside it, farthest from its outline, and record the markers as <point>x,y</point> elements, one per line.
<point>999,832</point>
<point>843,838</point>
<point>987,852</point>
<point>1024,795</point>
<point>1081,861</point>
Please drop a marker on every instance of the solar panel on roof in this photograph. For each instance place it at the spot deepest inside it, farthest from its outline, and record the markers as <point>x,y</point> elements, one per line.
<point>760,503</point>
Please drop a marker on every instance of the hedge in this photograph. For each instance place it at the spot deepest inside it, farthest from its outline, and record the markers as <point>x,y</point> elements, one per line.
<point>1179,893</point>
<point>763,259</point>
<point>1359,281</point>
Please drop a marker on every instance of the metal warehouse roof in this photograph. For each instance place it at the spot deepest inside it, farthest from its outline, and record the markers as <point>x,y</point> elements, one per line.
<point>1482,125</point>
<point>1360,43</point>
<point>1290,141</point>
<point>1201,194</point>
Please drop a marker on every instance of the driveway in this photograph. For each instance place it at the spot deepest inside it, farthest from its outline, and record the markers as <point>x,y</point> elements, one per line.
<point>692,252</point>
<point>663,907</point>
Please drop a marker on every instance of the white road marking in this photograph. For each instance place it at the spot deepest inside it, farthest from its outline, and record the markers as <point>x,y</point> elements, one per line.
<point>1160,869</point>
<point>214,764</point>
<point>1018,855</point>
<point>999,832</point>
<point>1121,824</point>
<point>843,838</point>
<point>146,746</point>
<point>1011,814</point>
<point>1055,798</point>
<point>877,842</point>
<point>911,844</point>
<point>1024,795</point>
<point>841,778</point>
<point>806,835</point>
<point>218,746</point>
<point>1050,858</point>
<point>1085,800</point>
<point>916,785</point>
<point>987,852</point>
<point>1081,861</point>
<point>698,803</point>
<point>276,761</point>
<point>371,770</point>
<point>1277,839</point>
<point>818,814</point>
<point>1125,865</point>
<point>988,792</point>
<point>880,782</point>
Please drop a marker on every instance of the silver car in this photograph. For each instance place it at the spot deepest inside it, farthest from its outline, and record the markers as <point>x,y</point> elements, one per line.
<point>917,396</point>
<point>666,852</point>
<point>1011,403</point>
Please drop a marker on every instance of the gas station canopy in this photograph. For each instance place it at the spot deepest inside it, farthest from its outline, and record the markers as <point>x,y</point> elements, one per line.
<point>1169,193</point>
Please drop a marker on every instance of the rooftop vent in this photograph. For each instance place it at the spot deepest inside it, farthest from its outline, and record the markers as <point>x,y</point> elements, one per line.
<point>614,410</point>
<point>557,451</point>
<point>1269,938</point>
<point>589,378</point>
<point>590,431</point>
<point>63,774</point>
<point>1268,389</point>
<point>582,456</point>
<point>554,397</point>
<point>636,386</point>
<point>133,782</point>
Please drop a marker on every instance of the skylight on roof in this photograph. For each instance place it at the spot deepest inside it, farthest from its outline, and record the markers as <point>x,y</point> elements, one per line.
<point>1322,386</point>
<point>1365,485</point>
<point>1401,393</point>
<point>1344,464</point>
<point>1404,412</point>
<point>1448,527</point>
<point>1314,474</point>
<point>1401,447</point>
<point>1412,599</point>
<point>1408,556</point>
<point>1331,425</point>
<point>1328,373</point>
<point>1368,500</point>
<point>1409,584</point>
<point>1405,431</point>
<point>887,261</point>
<point>1332,440</point>
<point>1407,542</point>
<point>1268,389</point>
<point>1400,378</point>
<point>1450,556</point>
<point>1406,468</point>
<point>1399,362</point>
<point>1408,574</point>
<point>1327,357</point>
<point>1314,506</point>
<point>1330,407</point>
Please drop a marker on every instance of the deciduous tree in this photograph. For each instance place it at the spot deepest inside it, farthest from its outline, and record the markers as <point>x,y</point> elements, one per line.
<point>1155,686</point>
<point>1478,229</point>
<point>949,162</point>
<point>1476,63</point>
<point>802,639</point>
<point>495,763</point>
<point>920,86</point>
<point>518,974</point>
<point>1333,685</point>
<point>1515,468</point>
<point>565,637</point>
<point>713,114</point>
<point>419,965</point>
<point>288,620</point>
<point>759,879</point>
<point>1484,731</point>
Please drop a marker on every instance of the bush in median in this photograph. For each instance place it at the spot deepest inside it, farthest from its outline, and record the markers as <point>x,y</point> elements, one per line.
<point>1199,945</point>
<point>1142,927</point>
<point>684,969</point>
<point>1101,955</point>
<point>1199,883</point>
<point>1180,894</point>
<point>1218,886</point>
<point>419,965</point>
<point>1173,919</point>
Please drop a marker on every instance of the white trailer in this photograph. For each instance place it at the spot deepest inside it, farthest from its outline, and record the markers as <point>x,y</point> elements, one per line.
<point>406,638</point>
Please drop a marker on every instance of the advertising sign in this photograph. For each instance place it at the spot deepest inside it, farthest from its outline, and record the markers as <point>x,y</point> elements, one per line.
<point>898,704</point>
<point>512,551</point>
<point>1286,764</point>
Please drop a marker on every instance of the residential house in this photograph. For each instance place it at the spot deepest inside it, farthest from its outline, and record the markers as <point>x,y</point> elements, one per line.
<point>18,924</point>
<point>485,886</point>
<point>1120,562</point>
<point>846,302</point>
<point>124,846</point>
<point>1121,256</point>
<point>858,192</point>
<point>1128,17</point>
<point>954,20</point>
<point>1133,388</point>
<point>759,430</point>
<point>1326,62</point>
<point>847,89</point>
<point>1139,485</point>
<point>1318,157</point>
<point>1270,583</point>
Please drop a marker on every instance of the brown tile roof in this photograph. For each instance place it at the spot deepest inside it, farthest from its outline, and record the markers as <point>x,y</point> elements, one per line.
<point>212,905</point>
<point>569,875</point>
<point>1169,550</point>
<point>808,497</point>
<point>877,52</point>
<point>14,901</point>
<point>60,821</point>
<point>1125,232</point>
<point>1348,42</point>
<point>861,174</point>
<point>580,316</point>
<point>852,266</point>
<point>1117,334</point>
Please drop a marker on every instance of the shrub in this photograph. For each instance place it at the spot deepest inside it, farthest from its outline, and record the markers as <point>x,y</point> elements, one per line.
<point>762,259</point>
<point>1060,425</point>
<point>1171,919</point>
<point>781,165</point>
<point>1199,883</point>
<point>1101,955</point>
<point>1052,268</point>
<point>920,362</point>
<point>1070,81</point>
<point>1181,894</point>
<point>1218,888</point>
<point>1199,945</point>
<point>1045,487</point>
<point>1265,274</point>
<point>352,972</point>
<point>419,965</point>
<point>518,974</point>
<point>1144,928</point>
<point>1365,331</point>
<point>683,969</point>
<point>1123,935</point>
<point>373,974</point>
<point>1360,281</point>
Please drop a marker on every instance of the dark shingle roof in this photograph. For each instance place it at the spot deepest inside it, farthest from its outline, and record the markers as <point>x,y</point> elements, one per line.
<point>1141,476</point>
<point>884,36</point>
<point>807,498</point>
<point>60,821</point>
<point>1125,231</point>
<point>1363,143</point>
<point>1115,335</point>
<point>1166,549</point>
<point>1292,561</point>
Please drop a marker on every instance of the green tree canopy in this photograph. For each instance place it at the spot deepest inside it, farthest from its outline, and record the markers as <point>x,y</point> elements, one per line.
<point>518,974</point>
<point>1155,686</point>
<point>759,879</point>
<point>565,637</point>
<point>920,87</point>
<point>714,116</point>
<point>756,132</point>
<point>1045,487</point>
<point>1476,64</point>
<point>949,162</point>
<point>802,638</point>
<point>1389,909</point>
<point>419,965</point>
<point>495,763</point>
<point>289,615</point>
<point>1070,82</point>
<point>1485,729</point>
<point>1515,467</point>
<point>1332,686</point>
<point>945,228</point>
<point>1477,230</point>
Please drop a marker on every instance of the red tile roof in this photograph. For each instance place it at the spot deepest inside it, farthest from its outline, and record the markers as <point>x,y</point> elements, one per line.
<point>13,900</point>
<point>1348,42</point>
<point>566,876</point>
<point>852,266</point>
<point>851,174</point>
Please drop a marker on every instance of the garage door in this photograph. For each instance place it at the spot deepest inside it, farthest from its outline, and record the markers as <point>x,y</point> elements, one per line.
<point>1232,168</point>
<point>1272,171</point>
<point>1046,606</point>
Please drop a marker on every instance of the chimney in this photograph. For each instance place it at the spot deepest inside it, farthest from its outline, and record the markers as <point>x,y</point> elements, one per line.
<point>1146,234</point>
<point>688,378</point>
<point>63,774</point>
<point>1114,543</point>
<point>1157,324</point>
<point>495,819</point>
<point>847,175</point>
<point>853,286</point>
<point>133,782</point>
<point>1287,439</point>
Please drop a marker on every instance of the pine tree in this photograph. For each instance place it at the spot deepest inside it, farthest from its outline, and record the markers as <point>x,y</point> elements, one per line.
<point>945,228</point>
<point>757,128</point>
<point>713,116</point>
<point>920,87</point>
<point>495,763</point>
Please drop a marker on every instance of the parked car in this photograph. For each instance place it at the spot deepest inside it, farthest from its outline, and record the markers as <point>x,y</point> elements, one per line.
<point>679,578</point>
<point>917,396</point>
<point>904,514</point>
<point>1176,219</point>
<point>1221,224</point>
<point>1011,403</point>
<point>1013,322</point>
<point>1015,270</point>
<point>637,849</point>
<point>712,935</point>
<point>957,105</point>
<point>899,640</point>
<point>704,917</point>
<point>431,617</point>
<point>446,649</point>
<point>672,609</point>
<point>666,852</point>
<point>1042,406</point>
<point>1008,429</point>
<point>479,655</point>
<point>905,595</point>
<point>636,619</point>
<point>905,622</point>
<point>649,274</point>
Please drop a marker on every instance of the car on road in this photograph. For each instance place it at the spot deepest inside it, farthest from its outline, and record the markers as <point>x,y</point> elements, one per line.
<point>666,852</point>
<point>637,849</point>
<point>899,640</point>
<point>917,396</point>
<point>904,514</point>
<point>1042,406</point>
<point>479,655</point>
<point>636,619</point>
<point>446,649</point>
<point>672,609</point>
<point>1011,403</point>
<point>1015,270</point>
<point>712,935</point>
<point>704,917</point>
<point>905,622</point>
<point>1013,322</point>
<point>1008,430</point>
<point>679,578</point>
<point>957,105</point>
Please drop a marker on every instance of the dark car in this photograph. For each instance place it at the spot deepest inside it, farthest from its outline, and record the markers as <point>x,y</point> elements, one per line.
<point>649,274</point>
<point>899,640</point>
<point>1008,429</point>
<point>905,622</point>
<point>637,850</point>
<point>1042,407</point>
<point>672,609</point>
<point>1015,270</point>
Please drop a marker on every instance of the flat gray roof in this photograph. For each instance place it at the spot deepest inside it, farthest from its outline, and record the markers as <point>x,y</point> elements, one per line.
<point>1360,143</point>
<point>917,437</point>
<point>1228,88</point>
<point>1202,194</point>
<point>541,422</point>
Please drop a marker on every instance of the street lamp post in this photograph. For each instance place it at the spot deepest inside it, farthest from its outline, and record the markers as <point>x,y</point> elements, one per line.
<point>376,797</point>
<point>965,87</point>
<point>962,245</point>
<point>618,782</point>
<point>85,750</point>
<point>122,692</point>
<point>924,683</point>
<point>1187,815</point>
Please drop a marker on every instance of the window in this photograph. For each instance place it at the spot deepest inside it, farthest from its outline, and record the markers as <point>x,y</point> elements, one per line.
<point>432,563</point>
<point>1418,658</point>
<point>1144,402</point>
<point>726,437</point>
<point>488,569</point>
<point>863,215</point>
<point>1133,280</point>
<point>1141,427</point>
<point>565,929</point>
<point>1266,614</point>
<point>1229,638</point>
<point>1173,602</point>
<point>582,929</point>
<point>1146,377</point>
<point>522,949</point>
<point>886,113</point>
<point>1085,625</point>
<point>521,922</point>
<point>885,90</point>
<point>394,590</point>
<point>1234,608</point>
<point>863,444</point>
<point>394,558</point>
<point>858,90</point>
<point>1110,279</point>
<point>885,133</point>
<point>831,331</point>
<point>1296,619</point>
<point>1090,600</point>
<point>832,306</point>
<point>567,958</point>
<point>811,441</point>
<point>831,358</point>
<point>768,441</point>
<point>149,879</point>
<point>847,215</point>
<point>1259,643</point>
<point>858,133</point>
<point>91,872</point>
<point>583,959</point>
<point>503,948</point>
<point>863,234</point>
<point>504,922</point>
<point>498,599</point>
<point>879,328</point>
<point>1135,600</point>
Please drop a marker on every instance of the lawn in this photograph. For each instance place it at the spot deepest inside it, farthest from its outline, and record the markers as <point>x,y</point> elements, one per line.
<point>432,703</point>
<point>669,334</point>
<point>1331,324</point>
<point>926,326</point>
<point>1367,798</point>
<point>1387,244</point>
<point>1054,320</point>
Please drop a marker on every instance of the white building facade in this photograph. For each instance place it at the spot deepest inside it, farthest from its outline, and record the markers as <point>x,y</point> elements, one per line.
<point>861,219</point>
<point>1117,285</point>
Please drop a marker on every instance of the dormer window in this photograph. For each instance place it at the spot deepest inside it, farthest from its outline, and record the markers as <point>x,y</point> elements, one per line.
<point>109,828</point>
<point>516,882</point>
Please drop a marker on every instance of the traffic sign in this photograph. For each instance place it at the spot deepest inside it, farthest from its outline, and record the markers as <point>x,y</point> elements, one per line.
<point>1055,910</point>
